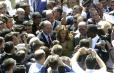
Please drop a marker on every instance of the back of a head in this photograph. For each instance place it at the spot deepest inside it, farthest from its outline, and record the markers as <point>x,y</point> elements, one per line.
<point>36,15</point>
<point>57,49</point>
<point>82,23</point>
<point>92,30</point>
<point>46,50</point>
<point>4,32</point>
<point>35,43</point>
<point>90,62</point>
<point>53,62</point>
<point>19,69</point>
<point>39,54</point>
<point>9,46</point>
<point>8,64</point>
<point>20,55</point>
<point>84,43</point>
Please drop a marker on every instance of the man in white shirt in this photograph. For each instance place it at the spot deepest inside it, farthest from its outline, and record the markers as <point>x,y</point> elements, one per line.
<point>90,61</point>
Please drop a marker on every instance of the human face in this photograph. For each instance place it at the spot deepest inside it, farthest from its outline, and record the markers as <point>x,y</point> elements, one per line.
<point>75,22</point>
<point>50,17</point>
<point>15,40</point>
<point>82,29</point>
<point>95,16</point>
<point>29,29</point>
<point>37,20</point>
<point>1,26</point>
<point>63,34</point>
<point>27,10</point>
<point>47,28</point>
<point>104,3</point>
<point>9,23</point>
<point>21,15</point>
<point>56,14</point>
<point>112,5</point>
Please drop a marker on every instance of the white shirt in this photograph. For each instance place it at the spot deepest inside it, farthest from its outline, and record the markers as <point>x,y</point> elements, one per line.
<point>102,70</point>
<point>35,67</point>
<point>77,69</point>
<point>94,41</point>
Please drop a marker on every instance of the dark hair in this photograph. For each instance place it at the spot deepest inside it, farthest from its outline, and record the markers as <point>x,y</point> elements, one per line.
<point>102,0</point>
<point>58,9</point>
<point>20,69</point>
<point>20,55</point>
<point>84,43</point>
<point>86,2</point>
<point>18,5</point>
<point>9,46</point>
<point>9,36</point>
<point>92,30</point>
<point>4,32</point>
<point>36,44</point>
<point>35,15</point>
<point>90,62</point>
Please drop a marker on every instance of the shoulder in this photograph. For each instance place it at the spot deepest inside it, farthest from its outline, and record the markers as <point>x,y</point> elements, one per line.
<point>40,35</point>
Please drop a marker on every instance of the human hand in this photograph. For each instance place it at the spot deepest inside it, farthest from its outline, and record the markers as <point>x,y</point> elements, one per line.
<point>47,60</point>
<point>60,62</point>
<point>93,53</point>
<point>83,50</point>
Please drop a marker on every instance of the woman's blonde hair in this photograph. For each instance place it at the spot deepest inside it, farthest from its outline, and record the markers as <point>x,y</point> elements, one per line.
<point>105,25</point>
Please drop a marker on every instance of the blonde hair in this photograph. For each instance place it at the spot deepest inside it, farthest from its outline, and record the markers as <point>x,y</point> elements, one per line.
<point>80,18</point>
<point>105,25</point>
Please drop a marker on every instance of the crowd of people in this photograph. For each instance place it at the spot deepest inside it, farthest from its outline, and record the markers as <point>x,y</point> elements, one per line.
<point>57,36</point>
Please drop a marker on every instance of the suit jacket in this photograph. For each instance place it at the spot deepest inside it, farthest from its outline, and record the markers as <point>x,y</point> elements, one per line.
<point>42,37</point>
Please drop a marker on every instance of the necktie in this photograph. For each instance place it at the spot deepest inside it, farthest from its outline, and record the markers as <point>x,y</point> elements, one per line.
<point>49,40</point>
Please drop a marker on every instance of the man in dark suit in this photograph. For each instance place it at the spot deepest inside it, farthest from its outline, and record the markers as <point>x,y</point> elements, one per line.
<point>46,34</point>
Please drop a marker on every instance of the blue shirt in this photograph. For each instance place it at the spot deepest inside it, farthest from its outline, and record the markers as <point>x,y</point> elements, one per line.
<point>44,70</point>
<point>35,67</point>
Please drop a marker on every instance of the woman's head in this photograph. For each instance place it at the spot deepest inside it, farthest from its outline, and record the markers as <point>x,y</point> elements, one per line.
<point>105,26</point>
<point>63,33</point>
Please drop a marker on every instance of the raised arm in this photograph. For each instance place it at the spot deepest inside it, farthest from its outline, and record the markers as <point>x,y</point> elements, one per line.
<point>99,60</point>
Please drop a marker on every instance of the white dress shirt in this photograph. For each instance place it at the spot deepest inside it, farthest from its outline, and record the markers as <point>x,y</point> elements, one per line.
<point>94,41</point>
